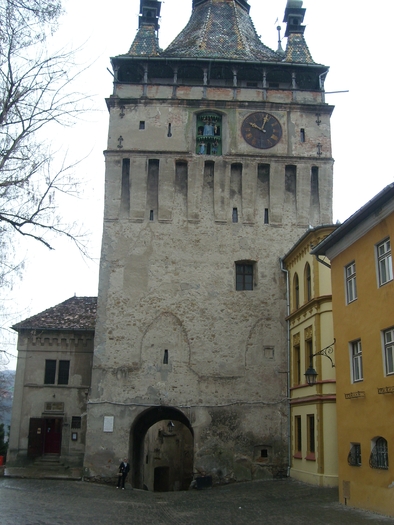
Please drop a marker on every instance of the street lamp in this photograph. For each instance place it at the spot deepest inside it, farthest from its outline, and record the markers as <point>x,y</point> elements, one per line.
<point>170,427</point>
<point>311,374</point>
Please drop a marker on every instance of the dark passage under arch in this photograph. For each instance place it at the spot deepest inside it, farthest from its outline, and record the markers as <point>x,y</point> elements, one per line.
<point>139,429</point>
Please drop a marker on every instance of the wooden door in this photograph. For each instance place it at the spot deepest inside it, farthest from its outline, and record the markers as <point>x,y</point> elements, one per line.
<point>53,435</point>
<point>35,445</point>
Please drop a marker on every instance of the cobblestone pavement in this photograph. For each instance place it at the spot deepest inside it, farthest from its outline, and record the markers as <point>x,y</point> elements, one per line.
<point>46,502</point>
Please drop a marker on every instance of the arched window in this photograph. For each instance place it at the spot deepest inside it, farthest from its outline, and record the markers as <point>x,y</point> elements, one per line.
<point>379,457</point>
<point>209,134</point>
<point>296,292</point>
<point>308,282</point>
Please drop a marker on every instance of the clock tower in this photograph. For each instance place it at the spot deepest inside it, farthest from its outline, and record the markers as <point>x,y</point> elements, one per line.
<point>218,160</point>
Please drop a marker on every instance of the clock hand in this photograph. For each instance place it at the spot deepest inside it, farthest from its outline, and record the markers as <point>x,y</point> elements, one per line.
<point>253,125</point>
<point>264,123</point>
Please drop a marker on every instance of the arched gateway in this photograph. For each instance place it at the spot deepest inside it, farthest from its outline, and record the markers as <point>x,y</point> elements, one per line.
<point>161,449</point>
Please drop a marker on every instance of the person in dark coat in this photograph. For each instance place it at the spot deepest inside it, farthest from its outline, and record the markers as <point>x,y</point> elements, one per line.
<point>124,469</point>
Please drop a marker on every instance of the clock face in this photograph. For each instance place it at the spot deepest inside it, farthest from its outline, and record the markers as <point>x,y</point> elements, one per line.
<point>261,130</point>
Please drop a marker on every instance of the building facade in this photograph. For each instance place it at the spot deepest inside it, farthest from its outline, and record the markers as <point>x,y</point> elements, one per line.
<point>52,382</point>
<point>313,440</point>
<point>363,294</point>
<point>218,159</point>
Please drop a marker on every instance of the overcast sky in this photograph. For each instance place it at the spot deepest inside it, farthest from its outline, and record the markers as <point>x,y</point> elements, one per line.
<point>350,36</point>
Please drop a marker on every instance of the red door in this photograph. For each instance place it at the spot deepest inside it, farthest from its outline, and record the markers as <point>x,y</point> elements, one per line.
<point>53,436</point>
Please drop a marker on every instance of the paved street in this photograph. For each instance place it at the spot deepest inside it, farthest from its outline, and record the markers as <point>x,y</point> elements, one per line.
<point>46,502</point>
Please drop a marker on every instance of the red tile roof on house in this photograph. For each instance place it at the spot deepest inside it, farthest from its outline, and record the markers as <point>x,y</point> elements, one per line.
<point>76,313</point>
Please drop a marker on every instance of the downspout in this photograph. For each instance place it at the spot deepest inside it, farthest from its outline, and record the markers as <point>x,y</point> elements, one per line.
<point>282,267</point>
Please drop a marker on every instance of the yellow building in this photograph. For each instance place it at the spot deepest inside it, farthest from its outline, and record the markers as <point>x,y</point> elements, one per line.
<point>312,408</point>
<point>363,311</point>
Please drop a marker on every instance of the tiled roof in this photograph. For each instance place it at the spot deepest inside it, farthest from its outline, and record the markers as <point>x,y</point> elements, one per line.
<point>145,42</point>
<point>297,51</point>
<point>220,29</point>
<point>77,313</point>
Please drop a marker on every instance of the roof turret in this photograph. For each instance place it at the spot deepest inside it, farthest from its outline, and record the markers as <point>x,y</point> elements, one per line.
<point>296,49</point>
<point>146,41</point>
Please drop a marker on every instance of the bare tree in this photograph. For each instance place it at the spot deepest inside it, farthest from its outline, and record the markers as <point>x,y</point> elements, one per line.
<point>35,92</point>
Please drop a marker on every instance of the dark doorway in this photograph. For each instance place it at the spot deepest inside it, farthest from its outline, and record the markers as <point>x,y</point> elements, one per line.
<point>45,436</point>
<point>160,452</point>
<point>162,479</point>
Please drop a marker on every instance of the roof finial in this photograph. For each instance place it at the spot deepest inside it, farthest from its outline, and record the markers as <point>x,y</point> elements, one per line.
<point>280,49</point>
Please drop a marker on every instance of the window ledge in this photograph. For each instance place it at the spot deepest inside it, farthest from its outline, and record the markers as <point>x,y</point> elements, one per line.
<point>297,455</point>
<point>311,456</point>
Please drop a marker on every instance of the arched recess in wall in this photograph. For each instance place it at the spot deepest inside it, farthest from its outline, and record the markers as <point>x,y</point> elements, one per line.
<point>165,332</point>
<point>261,353</point>
<point>172,421</point>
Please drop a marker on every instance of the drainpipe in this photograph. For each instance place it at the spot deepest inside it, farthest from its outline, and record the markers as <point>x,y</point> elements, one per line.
<point>282,267</point>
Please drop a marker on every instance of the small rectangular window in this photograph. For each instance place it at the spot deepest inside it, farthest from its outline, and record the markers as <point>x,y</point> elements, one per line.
<point>235,214</point>
<point>266,216</point>
<point>357,361</point>
<point>296,365</point>
<point>244,276</point>
<point>142,124</point>
<point>165,358</point>
<point>302,135</point>
<point>298,435</point>
<point>64,369</point>
<point>351,289</point>
<point>50,371</point>
<point>311,434</point>
<point>354,456</point>
<point>388,336</point>
<point>76,422</point>
<point>385,263</point>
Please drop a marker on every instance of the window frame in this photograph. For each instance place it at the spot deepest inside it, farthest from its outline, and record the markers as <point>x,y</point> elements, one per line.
<point>297,437</point>
<point>296,365</point>
<point>57,372</point>
<point>50,372</point>
<point>356,358</point>
<point>311,437</point>
<point>243,286</point>
<point>209,141</point>
<point>351,282</point>
<point>63,372</point>
<point>388,351</point>
<point>296,291</point>
<point>379,458</point>
<point>354,456</point>
<point>308,282</point>
<point>384,262</point>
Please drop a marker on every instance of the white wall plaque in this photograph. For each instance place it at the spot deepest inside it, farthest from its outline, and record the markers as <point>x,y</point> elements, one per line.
<point>108,424</point>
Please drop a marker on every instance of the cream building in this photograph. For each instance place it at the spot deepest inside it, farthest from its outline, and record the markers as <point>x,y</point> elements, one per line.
<point>313,440</point>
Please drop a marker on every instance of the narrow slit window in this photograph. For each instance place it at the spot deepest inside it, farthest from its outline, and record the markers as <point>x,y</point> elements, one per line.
<point>151,215</point>
<point>235,214</point>
<point>302,135</point>
<point>169,131</point>
<point>165,358</point>
<point>266,216</point>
